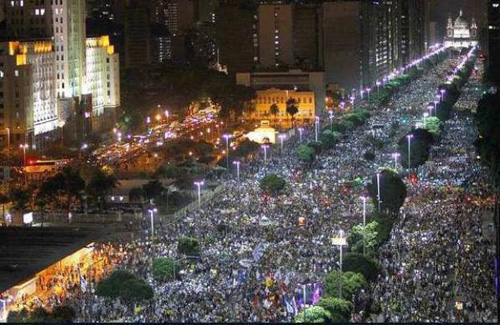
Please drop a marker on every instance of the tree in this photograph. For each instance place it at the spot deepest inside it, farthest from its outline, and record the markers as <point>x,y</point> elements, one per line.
<point>420,146</point>
<point>101,183</point>
<point>292,108</point>
<point>329,139</point>
<point>20,199</point>
<point>165,269</point>
<point>392,191</point>
<point>63,313</point>
<point>274,110</point>
<point>125,285</point>
<point>359,263</point>
<point>369,155</point>
<point>355,238</point>
<point>272,184</point>
<point>306,153</point>
<point>152,190</point>
<point>433,125</point>
<point>340,309</point>
<point>351,283</point>
<point>189,246</point>
<point>63,188</point>
<point>246,148</point>
<point>314,314</point>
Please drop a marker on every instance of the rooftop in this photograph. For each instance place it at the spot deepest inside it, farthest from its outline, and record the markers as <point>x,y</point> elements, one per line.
<point>26,251</point>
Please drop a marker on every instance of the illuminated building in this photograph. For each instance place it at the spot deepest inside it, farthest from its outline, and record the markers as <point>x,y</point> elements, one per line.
<point>28,103</point>
<point>460,34</point>
<point>292,80</point>
<point>266,98</point>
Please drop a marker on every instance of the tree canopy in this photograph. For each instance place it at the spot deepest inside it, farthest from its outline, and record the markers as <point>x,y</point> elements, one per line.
<point>392,191</point>
<point>272,184</point>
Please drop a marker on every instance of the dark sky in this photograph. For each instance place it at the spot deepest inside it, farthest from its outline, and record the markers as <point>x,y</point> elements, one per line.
<point>441,9</point>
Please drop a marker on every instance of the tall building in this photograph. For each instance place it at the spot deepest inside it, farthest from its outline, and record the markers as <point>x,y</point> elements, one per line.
<point>342,43</point>
<point>494,39</point>
<point>137,35</point>
<point>308,36</point>
<point>236,30</point>
<point>28,103</point>
<point>412,30</point>
<point>58,25</point>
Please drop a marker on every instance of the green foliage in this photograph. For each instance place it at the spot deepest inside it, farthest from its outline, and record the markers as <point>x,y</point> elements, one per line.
<point>101,183</point>
<point>355,238</point>
<point>272,184</point>
<point>274,109</point>
<point>385,224</point>
<point>359,263</point>
<point>165,269</point>
<point>317,146</point>
<point>351,283</point>
<point>306,153</point>
<point>420,148</point>
<point>340,309</point>
<point>314,314</point>
<point>63,313</point>
<point>329,139</point>
<point>292,107</point>
<point>392,191</point>
<point>124,285</point>
<point>433,125</point>
<point>189,246</point>
<point>20,198</point>
<point>62,187</point>
<point>152,190</point>
<point>245,148</point>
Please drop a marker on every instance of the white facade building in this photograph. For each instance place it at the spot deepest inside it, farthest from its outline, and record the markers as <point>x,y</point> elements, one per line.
<point>460,34</point>
<point>102,75</point>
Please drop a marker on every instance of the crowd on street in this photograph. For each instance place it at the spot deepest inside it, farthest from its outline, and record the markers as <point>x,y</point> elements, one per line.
<point>259,264</point>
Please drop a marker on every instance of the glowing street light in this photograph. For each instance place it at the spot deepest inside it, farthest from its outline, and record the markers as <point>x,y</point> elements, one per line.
<point>301,130</point>
<point>364,198</point>
<point>378,83</point>
<point>316,128</point>
<point>199,185</point>
<point>430,108</point>
<point>265,147</point>
<point>282,138</point>
<point>396,155</point>
<point>237,163</point>
<point>152,212</point>
<point>442,91</point>
<point>378,190</point>
<point>227,137</point>
<point>409,136</point>
<point>368,90</point>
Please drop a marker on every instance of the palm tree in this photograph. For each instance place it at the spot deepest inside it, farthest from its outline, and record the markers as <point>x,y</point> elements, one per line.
<point>274,110</point>
<point>292,108</point>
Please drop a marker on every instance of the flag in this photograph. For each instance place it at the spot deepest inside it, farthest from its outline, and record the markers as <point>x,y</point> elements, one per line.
<point>83,284</point>
<point>316,295</point>
<point>289,307</point>
<point>294,306</point>
<point>258,252</point>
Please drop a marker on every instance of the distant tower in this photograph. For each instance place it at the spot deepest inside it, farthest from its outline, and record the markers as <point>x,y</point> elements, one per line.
<point>449,28</point>
<point>473,28</point>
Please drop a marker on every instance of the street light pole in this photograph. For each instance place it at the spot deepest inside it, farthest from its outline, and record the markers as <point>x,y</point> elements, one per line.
<point>378,190</point>
<point>364,224</point>
<point>396,156</point>
<point>316,127</point>
<point>282,137</point>
<point>409,136</point>
<point>237,163</point>
<point>301,130</point>
<point>227,137</point>
<point>151,213</point>
<point>8,138</point>
<point>199,184</point>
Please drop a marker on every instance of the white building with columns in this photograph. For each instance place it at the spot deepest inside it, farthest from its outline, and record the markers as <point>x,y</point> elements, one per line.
<point>460,33</point>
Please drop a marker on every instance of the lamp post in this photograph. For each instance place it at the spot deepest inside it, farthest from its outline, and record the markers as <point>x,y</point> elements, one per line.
<point>435,107</point>
<point>430,108</point>
<point>316,128</point>
<point>265,147</point>
<point>442,91</point>
<point>301,130</point>
<point>378,190</point>
<point>24,147</point>
<point>409,136</point>
<point>378,83</point>
<point>368,90</point>
<point>166,115</point>
<point>282,138</point>
<point>227,137</point>
<point>396,156</point>
<point>352,102</point>
<point>341,242</point>
<point>151,214</point>
<point>199,185</point>
<point>364,224</point>
<point>237,163</point>
<point>331,118</point>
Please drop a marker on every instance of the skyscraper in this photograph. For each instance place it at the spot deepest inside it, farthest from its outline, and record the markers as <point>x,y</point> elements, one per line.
<point>494,40</point>
<point>137,35</point>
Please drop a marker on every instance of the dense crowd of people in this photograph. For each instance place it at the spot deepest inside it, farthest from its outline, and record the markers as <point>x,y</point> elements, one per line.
<point>258,264</point>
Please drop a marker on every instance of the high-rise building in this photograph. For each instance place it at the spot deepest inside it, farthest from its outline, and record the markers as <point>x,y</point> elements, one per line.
<point>412,30</point>
<point>137,35</point>
<point>308,36</point>
<point>494,40</point>
<point>236,29</point>
<point>28,103</point>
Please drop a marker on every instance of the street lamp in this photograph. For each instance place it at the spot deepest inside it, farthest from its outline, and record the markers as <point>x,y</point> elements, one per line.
<point>151,214</point>
<point>301,130</point>
<point>166,115</point>
<point>316,128</point>
<point>435,107</point>
<point>396,156</point>
<point>341,242</point>
<point>352,102</point>
<point>364,224</point>
<point>409,136</point>
<point>430,108</point>
<point>282,138</point>
<point>199,185</point>
<point>442,91</point>
<point>237,163</point>
<point>8,138</point>
<point>331,118</point>
<point>227,137</point>
<point>368,90</point>
<point>265,147</point>
<point>378,85</point>
<point>378,190</point>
